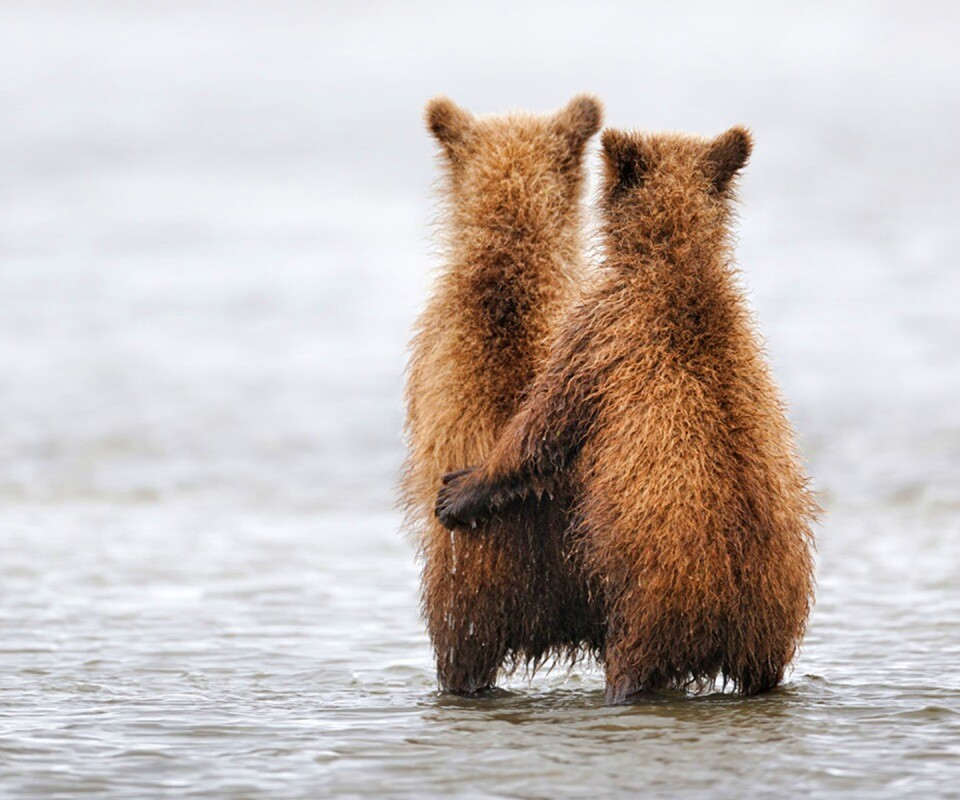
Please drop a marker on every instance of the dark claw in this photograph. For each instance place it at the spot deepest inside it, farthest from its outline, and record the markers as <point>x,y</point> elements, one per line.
<point>452,476</point>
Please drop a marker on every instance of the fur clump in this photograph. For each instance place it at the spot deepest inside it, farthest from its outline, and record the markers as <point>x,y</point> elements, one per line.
<point>513,261</point>
<point>657,409</point>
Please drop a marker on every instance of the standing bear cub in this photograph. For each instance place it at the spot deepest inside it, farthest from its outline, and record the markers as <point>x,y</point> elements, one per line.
<point>513,253</point>
<point>655,403</point>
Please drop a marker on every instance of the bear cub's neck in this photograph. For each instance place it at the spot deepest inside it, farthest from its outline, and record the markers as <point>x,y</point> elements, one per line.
<point>679,272</point>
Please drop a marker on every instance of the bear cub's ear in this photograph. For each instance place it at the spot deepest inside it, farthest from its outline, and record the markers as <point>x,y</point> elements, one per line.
<point>726,156</point>
<point>579,119</point>
<point>448,123</point>
<point>625,161</point>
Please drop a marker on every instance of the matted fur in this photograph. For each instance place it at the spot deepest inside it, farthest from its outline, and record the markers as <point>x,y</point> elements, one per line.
<point>512,235</point>
<point>657,406</point>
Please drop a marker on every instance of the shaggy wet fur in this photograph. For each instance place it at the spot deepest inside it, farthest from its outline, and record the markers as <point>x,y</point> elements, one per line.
<point>513,187</point>
<point>657,407</point>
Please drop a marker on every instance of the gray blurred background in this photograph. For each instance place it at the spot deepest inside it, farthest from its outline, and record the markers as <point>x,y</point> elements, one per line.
<point>214,238</point>
<point>214,224</point>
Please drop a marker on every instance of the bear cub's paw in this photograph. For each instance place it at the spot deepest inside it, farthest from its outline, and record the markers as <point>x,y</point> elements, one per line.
<point>463,502</point>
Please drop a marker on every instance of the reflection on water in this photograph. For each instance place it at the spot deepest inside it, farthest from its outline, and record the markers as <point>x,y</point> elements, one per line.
<point>211,256</point>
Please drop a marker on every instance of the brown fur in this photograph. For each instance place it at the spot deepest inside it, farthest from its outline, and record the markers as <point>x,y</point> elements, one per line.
<point>513,262</point>
<point>657,406</point>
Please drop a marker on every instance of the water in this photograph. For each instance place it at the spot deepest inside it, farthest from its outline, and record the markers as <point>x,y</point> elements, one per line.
<point>213,240</point>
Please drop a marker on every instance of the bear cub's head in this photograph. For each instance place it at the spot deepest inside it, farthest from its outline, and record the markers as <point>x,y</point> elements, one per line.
<point>666,182</point>
<point>517,172</point>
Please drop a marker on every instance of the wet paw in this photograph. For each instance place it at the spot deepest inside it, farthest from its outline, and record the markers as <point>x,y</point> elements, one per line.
<point>461,503</point>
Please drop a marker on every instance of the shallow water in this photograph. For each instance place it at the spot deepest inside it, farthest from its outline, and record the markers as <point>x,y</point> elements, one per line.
<point>245,653</point>
<point>214,237</point>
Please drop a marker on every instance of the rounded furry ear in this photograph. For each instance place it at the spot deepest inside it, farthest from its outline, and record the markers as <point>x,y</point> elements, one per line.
<point>580,119</point>
<point>726,156</point>
<point>625,160</point>
<point>448,123</point>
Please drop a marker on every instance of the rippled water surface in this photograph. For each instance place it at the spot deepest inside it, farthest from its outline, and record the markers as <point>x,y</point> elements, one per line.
<point>214,227</point>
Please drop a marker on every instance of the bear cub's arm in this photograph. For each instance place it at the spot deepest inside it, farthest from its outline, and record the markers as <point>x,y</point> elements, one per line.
<point>536,445</point>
